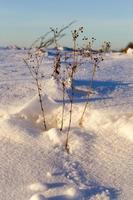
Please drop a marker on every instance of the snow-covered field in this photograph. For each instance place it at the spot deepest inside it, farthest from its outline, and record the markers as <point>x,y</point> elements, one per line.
<point>33,162</point>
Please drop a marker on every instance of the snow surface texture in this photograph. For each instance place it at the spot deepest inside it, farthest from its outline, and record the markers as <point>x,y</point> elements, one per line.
<point>33,163</point>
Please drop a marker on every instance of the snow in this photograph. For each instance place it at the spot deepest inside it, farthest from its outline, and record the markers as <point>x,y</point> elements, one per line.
<point>37,197</point>
<point>54,136</point>
<point>32,111</point>
<point>72,192</point>
<point>38,187</point>
<point>130,51</point>
<point>34,164</point>
<point>102,196</point>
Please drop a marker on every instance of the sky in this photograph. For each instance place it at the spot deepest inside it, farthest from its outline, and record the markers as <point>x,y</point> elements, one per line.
<point>22,21</point>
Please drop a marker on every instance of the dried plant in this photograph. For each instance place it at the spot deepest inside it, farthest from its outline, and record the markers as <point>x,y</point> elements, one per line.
<point>106,47</point>
<point>64,74</point>
<point>61,78</point>
<point>63,81</point>
<point>33,63</point>
<point>58,34</point>
<point>57,73</point>
<point>35,58</point>
<point>95,59</point>
<point>72,70</point>
<point>57,59</point>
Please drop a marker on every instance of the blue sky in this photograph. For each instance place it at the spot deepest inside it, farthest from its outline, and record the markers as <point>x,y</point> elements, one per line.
<point>22,21</point>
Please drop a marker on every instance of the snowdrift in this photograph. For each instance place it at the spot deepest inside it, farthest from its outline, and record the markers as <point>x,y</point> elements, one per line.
<point>33,162</point>
<point>32,111</point>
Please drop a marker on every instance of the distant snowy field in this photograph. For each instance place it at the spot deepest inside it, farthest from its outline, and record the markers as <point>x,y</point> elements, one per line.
<point>34,164</point>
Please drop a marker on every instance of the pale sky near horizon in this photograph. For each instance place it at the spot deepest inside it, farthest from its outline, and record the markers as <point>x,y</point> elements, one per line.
<point>21,22</point>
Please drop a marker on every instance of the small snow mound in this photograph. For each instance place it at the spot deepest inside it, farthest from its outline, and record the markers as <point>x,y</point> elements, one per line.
<point>38,187</point>
<point>17,130</point>
<point>38,197</point>
<point>125,127</point>
<point>130,51</point>
<point>53,89</point>
<point>72,192</point>
<point>102,196</point>
<point>75,142</point>
<point>48,174</point>
<point>54,136</point>
<point>32,109</point>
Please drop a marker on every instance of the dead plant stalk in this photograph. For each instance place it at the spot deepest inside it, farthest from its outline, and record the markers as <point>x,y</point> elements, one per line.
<point>75,35</point>
<point>34,71</point>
